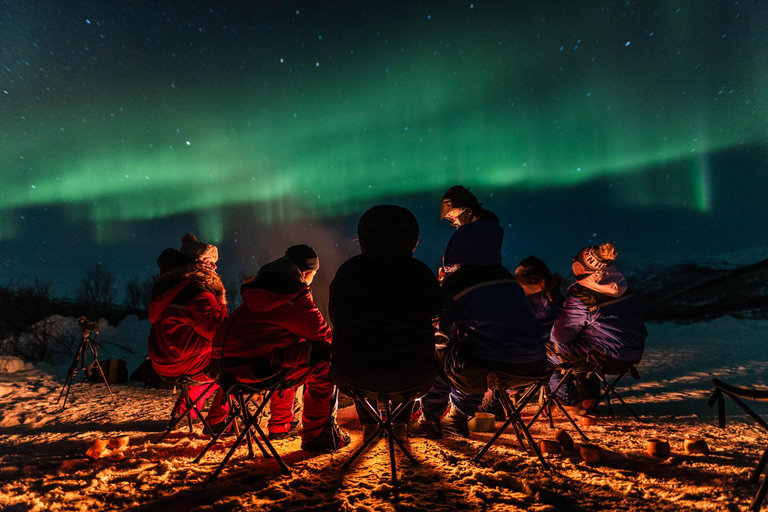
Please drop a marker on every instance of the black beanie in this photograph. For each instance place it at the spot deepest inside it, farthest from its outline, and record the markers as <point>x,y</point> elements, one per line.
<point>531,270</point>
<point>386,230</point>
<point>170,259</point>
<point>304,257</point>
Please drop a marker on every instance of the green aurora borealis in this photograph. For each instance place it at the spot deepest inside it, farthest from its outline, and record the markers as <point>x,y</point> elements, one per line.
<point>360,109</point>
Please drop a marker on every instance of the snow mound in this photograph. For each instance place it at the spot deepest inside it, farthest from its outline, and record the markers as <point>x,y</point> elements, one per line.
<point>10,364</point>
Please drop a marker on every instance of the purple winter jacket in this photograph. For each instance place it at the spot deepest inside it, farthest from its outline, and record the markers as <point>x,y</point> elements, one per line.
<point>611,322</point>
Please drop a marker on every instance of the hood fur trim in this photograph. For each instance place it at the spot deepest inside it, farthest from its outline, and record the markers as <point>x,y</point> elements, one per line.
<point>198,272</point>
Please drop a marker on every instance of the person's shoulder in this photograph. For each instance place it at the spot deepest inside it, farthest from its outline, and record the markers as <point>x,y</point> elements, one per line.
<point>578,294</point>
<point>354,265</point>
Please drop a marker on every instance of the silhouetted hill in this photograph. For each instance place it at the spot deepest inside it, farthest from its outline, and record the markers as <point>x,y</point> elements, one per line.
<point>693,292</point>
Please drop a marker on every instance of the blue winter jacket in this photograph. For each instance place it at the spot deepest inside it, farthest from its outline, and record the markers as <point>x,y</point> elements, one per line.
<point>546,311</point>
<point>594,321</point>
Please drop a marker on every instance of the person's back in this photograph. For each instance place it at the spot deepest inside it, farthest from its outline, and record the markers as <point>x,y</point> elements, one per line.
<point>188,305</point>
<point>279,328</point>
<point>382,313</point>
<point>488,315</point>
<point>278,312</point>
<point>383,303</point>
<point>609,320</point>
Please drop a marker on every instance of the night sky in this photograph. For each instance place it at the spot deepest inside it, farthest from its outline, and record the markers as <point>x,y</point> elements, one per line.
<point>123,125</point>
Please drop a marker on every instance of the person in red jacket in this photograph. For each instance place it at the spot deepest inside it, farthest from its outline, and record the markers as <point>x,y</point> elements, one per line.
<point>188,305</point>
<point>279,326</point>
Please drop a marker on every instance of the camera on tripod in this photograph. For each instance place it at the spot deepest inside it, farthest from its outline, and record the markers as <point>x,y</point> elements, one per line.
<point>88,344</point>
<point>88,326</point>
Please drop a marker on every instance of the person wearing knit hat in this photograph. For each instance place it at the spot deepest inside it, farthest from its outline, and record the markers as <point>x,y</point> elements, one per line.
<point>459,206</point>
<point>306,260</point>
<point>601,319</point>
<point>198,251</point>
<point>383,303</point>
<point>278,326</point>
<point>188,305</point>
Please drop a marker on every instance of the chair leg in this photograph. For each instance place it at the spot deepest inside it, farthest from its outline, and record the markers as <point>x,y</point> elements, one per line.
<point>186,413</point>
<point>251,421</point>
<point>392,455</point>
<point>513,418</point>
<point>759,468</point>
<point>760,496</point>
<point>551,395</point>
<point>569,418</point>
<point>607,390</point>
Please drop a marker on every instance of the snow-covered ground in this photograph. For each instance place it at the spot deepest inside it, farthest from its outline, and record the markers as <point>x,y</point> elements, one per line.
<point>43,464</point>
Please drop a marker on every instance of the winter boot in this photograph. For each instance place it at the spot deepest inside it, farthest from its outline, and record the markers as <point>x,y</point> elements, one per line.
<point>456,421</point>
<point>425,427</point>
<point>332,438</point>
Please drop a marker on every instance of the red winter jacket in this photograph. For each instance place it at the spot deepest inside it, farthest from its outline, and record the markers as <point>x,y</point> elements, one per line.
<point>185,315</point>
<point>277,313</point>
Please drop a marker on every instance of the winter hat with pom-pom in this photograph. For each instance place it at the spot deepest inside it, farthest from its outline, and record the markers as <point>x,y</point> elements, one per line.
<point>194,250</point>
<point>596,258</point>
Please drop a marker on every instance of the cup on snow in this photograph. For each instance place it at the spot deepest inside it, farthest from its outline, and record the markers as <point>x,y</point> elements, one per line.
<point>550,446</point>
<point>658,447</point>
<point>482,422</point>
<point>565,440</point>
<point>695,445</point>
<point>592,454</point>
<point>587,420</point>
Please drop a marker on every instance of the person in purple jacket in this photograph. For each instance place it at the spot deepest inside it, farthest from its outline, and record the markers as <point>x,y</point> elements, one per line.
<point>601,318</point>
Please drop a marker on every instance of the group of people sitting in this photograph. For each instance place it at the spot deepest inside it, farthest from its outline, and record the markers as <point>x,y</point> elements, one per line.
<point>396,325</point>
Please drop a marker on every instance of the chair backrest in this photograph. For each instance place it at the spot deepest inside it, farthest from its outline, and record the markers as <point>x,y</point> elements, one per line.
<point>500,380</point>
<point>188,380</point>
<point>229,383</point>
<point>759,395</point>
<point>395,396</point>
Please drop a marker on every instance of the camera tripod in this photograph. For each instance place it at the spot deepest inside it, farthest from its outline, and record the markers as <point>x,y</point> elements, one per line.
<point>87,344</point>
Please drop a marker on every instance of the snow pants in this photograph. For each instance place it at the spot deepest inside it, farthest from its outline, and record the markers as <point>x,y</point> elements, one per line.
<point>320,401</point>
<point>219,407</point>
<point>464,384</point>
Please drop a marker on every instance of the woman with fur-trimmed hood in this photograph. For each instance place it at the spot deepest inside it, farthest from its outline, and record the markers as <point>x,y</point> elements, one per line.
<point>188,305</point>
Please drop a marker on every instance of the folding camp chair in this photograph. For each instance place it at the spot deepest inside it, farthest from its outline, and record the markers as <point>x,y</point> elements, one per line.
<point>549,396</point>
<point>384,417</point>
<point>736,394</point>
<point>185,381</point>
<point>240,395</point>
<point>500,381</point>
<point>602,370</point>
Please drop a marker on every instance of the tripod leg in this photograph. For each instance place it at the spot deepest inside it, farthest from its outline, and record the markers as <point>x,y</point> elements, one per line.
<point>98,365</point>
<point>71,374</point>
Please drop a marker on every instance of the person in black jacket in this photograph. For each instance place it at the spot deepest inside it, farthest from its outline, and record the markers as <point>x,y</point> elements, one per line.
<point>383,303</point>
<point>486,324</point>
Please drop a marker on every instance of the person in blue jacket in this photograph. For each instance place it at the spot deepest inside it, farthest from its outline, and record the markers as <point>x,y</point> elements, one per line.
<point>601,318</point>
<point>486,325</point>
